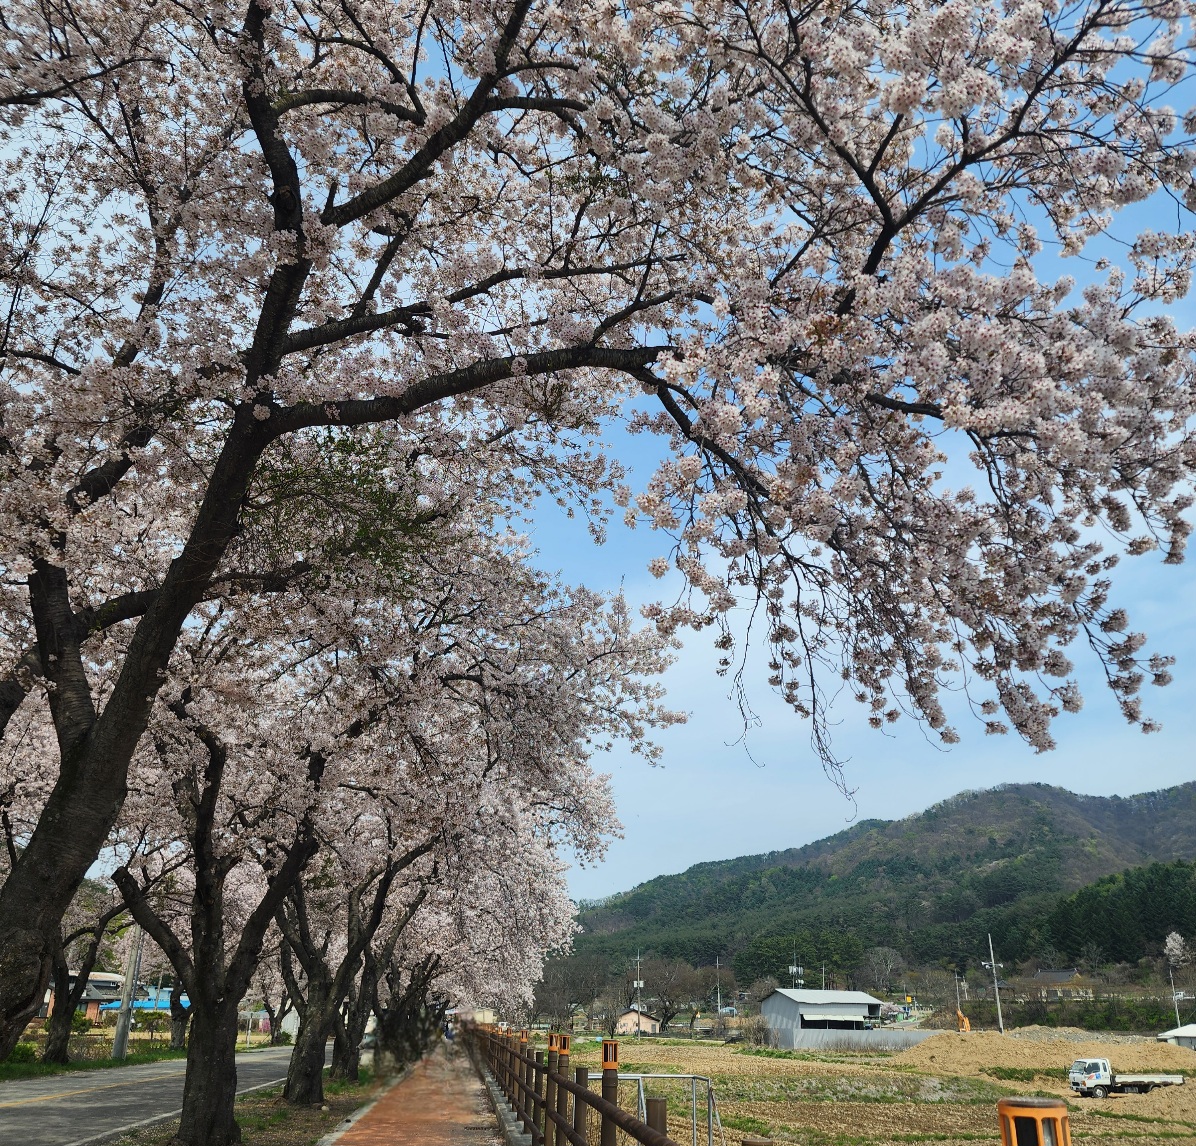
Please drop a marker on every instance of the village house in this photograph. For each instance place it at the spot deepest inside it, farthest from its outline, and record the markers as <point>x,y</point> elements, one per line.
<point>633,1021</point>
<point>1055,986</point>
<point>102,987</point>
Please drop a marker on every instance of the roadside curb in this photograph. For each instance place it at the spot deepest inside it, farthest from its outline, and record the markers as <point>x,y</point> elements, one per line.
<point>146,1123</point>
<point>512,1129</point>
<point>348,1123</point>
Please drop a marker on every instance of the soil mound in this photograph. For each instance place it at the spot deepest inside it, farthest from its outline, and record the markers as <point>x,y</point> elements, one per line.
<point>1043,1048</point>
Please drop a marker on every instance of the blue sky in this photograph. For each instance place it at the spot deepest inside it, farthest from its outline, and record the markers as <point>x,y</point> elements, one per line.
<point>716,795</point>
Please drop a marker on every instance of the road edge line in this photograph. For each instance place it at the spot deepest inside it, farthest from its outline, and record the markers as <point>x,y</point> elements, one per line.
<point>110,1135</point>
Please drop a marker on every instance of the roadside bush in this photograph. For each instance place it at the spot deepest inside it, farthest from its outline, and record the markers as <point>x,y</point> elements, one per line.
<point>23,1052</point>
<point>281,1039</point>
<point>757,1033</point>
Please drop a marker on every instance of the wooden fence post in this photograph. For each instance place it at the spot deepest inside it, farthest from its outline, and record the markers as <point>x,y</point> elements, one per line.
<point>524,1073</point>
<point>610,1089</point>
<point>538,1100</point>
<point>562,1095</point>
<point>581,1112</point>
<point>550,1088</point>
<point>658,1115</point>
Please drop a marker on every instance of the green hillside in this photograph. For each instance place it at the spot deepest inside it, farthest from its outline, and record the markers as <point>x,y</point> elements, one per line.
<point>930,885</point>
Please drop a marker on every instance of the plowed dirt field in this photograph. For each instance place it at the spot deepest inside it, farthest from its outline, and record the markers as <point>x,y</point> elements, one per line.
<point>944,1090</point>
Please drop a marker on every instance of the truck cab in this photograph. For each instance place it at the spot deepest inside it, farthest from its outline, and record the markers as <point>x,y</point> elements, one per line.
<point>1091,1076</point>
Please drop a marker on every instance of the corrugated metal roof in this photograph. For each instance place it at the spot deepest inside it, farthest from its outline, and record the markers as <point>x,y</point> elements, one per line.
<point>861,998</point>
<point>1187,1031</point>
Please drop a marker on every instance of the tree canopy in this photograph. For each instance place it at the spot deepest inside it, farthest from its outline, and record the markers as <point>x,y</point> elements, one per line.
<point>280,277</point>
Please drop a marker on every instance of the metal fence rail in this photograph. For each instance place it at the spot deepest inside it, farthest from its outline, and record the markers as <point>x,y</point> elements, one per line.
<point>539,1089</point>
<point>713,1122</point>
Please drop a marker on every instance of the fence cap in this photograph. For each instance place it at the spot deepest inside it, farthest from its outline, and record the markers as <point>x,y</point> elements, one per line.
<point>523,1035</point>
<point>1031,1102</point>
<point>552,1040</point>
<point>562,1043</point>
<point>610,1054</point>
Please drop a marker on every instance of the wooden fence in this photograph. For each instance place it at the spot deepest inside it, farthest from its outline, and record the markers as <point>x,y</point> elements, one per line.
<point>557,1110</point>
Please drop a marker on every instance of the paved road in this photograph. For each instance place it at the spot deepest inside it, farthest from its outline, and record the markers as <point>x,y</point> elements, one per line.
<point>87,1106</point>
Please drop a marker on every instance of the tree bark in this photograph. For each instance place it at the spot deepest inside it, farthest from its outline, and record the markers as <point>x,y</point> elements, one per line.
<point>346,1059</point>
<point>350,1030</point>
<point>209,1094</point>
<point>407,1026</point>
<point>180,1016</point>
<point>305,1075</point>
<point>57,1045</point>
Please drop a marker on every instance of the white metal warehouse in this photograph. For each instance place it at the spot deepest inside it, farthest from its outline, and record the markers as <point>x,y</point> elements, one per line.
<point>1184,1036</point>
<point>789,1012</point>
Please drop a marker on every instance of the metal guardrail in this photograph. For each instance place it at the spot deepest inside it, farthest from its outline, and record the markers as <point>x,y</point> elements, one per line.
<point>713,1121</point>
<point>538,1088</point>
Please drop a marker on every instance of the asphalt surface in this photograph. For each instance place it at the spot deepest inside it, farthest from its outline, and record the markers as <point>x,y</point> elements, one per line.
<point>90,1106</point>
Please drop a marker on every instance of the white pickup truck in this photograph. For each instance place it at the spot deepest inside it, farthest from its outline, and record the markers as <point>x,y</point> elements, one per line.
<point>1094,1077</point>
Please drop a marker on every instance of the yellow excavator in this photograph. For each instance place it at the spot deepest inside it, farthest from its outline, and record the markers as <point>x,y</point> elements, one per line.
<point>961,1021</point>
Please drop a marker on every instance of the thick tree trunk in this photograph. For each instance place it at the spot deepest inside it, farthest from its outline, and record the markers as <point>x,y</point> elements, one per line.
<point>346,1054</point>
<point>25,953</point>
<point>209,1095</point>
<point>179,1017</point>
<point>345,1064</point>
<point>305,1075</point>
<point>93,780</point>
<point>277,1018</point>
<point>57,1045</point>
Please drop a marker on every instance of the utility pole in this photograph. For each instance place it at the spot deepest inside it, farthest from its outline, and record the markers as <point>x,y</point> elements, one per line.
<point>718,988</point>
<point>993,965</point>
<point>824,974</point>
<point>120,1042</point>
<point>638,983</point>
<point>795,970</point>
<point>1174,996</point>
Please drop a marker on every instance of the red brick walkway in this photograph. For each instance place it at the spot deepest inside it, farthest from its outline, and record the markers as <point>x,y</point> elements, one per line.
<point>441,1103</point>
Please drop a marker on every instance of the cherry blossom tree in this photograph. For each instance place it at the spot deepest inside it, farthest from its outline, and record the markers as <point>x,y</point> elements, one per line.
<point>364,744</point>
<point>333,957</point>
<point>801,244</point>
<point>92,920</point>
<point>271,987</point>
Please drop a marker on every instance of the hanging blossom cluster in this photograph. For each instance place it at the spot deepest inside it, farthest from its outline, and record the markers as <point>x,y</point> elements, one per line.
<point>305,247</point>
<point>891,331</point>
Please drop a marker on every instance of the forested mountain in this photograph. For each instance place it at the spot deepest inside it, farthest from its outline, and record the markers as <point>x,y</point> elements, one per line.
<point>930,885</point>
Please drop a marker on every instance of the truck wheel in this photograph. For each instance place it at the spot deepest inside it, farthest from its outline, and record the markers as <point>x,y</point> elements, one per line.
<point>1100,1092</point>
<point>1146,1089</point>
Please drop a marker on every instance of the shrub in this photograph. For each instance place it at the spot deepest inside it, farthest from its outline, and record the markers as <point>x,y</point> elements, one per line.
<point>281,1039</point>
<point>23,1052</point>
<point>757,1033</point>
